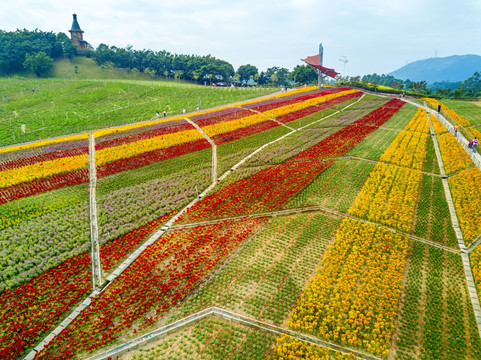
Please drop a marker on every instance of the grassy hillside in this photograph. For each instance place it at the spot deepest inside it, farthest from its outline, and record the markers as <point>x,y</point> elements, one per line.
<point>83,97</point>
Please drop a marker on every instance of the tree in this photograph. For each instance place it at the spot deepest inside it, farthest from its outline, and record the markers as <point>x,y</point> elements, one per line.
<point>246,71</point>
<point>40,64</point>
<point>69,50</point>
<point>304,74</point>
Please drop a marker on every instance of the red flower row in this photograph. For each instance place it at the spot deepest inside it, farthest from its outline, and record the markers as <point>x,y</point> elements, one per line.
<point>239,113</point>
<point>220,139</point>
<point>38,186</point>
<point>345,139</point>
<point>114,251</point>
<point>163,274</point>
<point>267,190</point>
<point>170,129</point>
<point>36,306</point>
<point>76,177</point>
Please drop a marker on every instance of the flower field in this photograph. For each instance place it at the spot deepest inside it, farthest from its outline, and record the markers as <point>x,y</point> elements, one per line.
<point>328,231</point>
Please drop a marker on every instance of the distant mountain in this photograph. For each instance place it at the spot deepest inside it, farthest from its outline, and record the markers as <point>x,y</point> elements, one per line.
<point>452,68</point>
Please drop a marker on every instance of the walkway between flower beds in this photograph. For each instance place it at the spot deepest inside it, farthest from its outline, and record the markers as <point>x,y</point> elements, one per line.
<point>273,119</point>
<point>132,257</point>
<point>454,218</point>
<point>231,316</point>
<point>214,148</point>
<point>313,209</point>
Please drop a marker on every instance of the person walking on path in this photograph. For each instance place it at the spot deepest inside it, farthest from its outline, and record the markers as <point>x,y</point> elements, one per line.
<point>475,144</point>
<point>165,113</point>
<point>456,130</point>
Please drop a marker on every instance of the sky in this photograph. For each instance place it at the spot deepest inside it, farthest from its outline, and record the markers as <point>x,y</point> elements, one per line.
<point>374,36</point>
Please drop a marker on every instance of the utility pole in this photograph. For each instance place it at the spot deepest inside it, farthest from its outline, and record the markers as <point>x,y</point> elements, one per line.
<point>319,80</point>
<point>94,235</point>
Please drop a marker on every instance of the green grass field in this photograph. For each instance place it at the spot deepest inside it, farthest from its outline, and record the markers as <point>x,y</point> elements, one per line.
<point>93,98</point>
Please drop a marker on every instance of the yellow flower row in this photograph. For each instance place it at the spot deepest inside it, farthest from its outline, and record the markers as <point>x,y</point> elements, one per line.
<point>408,148</point>
<point>419,122</point>
<point>467,201</point>
<point>403,152</point>
<point>438,127</point>
<point>453,155</point>
<point>138,147</point>
<point>388,196</point>
<point>353,297</point>
<point>42,169</point>
<point>458,119</point>
<point>289,348</point>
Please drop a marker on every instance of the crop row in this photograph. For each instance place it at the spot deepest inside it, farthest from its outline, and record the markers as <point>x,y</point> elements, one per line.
<point>336,188</point>
<point>433,220</point>
<point>454,156</point>
<point>57,224</point>
<point>210,338</point>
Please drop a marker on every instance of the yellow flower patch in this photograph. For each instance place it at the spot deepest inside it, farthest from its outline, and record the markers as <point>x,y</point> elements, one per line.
<point>388,196</point>
<point>353,298</point>
<point>467,201</point>
<point>453,155</point>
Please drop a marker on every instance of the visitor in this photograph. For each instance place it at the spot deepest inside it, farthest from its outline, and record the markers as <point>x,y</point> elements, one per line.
<point>183,111</point>
<point>165,113</point>
<point>475,144</point>
<point>197,108</point>
<point>156,113</point>
<point>456,130</point>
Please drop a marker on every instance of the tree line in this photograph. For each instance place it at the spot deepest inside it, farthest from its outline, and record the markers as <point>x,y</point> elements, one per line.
<point>34,52</point>
<point>468,88</point>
